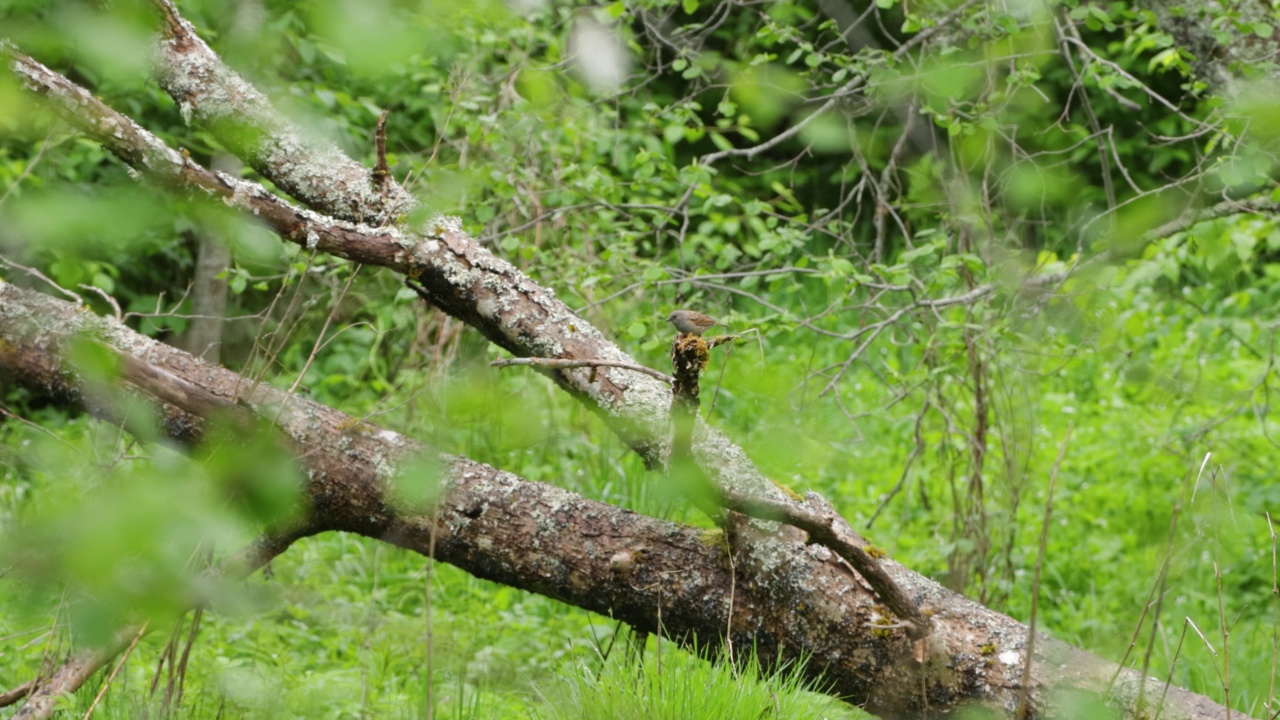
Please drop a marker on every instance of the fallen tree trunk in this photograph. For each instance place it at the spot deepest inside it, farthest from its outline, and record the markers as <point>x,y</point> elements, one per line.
<point>787,599</point>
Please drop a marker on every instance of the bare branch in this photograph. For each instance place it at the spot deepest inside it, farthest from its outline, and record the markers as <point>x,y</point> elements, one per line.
<point>453,272</point>
<point>558,364</point>
<point>790,599</point>
<point>42,700</point>
<point>10,697</point>
<point>873,330</point>
<point>317,173</point>
<point>827,528</point>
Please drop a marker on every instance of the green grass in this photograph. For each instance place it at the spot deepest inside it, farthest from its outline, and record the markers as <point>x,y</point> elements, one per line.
<point>341,630</point>
<point>668,684</point>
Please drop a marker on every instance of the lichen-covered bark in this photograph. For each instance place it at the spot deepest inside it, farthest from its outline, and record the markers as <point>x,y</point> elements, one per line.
<point>783,598</point>
<point>788,595</point>
<point>317,173</point>
<point>460,276</point>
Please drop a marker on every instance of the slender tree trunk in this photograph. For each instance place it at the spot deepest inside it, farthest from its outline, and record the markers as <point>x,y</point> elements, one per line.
<point>203,337</point>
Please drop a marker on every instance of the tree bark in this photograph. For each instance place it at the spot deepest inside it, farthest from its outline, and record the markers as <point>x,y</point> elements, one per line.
<point>786,599</point>
<point>788,596</point>
<point>317,173</point>
<point>457,274</point>
<point>203,337</point>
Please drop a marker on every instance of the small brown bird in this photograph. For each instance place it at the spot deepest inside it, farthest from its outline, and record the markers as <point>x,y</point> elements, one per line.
<point>691,322</point>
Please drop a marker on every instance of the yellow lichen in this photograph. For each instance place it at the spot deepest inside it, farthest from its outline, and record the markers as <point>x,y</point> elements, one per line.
<point>788,491</point>
<point>349,424</point>
<point>715,538</point>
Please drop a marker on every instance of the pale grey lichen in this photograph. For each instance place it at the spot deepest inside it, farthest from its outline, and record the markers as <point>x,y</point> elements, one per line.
<point>312,169</point>
<point>438,225</point>
<point>487,308</point>
<point>383,467</point>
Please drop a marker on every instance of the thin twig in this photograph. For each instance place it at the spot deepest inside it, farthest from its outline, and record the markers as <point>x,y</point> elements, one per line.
<point>430,575</point>
<point>315,349</point>
<point>567,363</point>
<point>1275,612</point>
<point>1223,624</point>
<point>1155,596</point>
<point>6,262</point>
<point>1205,640</point>
<point>1173,664</point>
<point>1025,693</point>
<point>31,164</point>
<point>106,684</point>
<point>827,528</point>
<point>110,300</point>
<point>916,448</point>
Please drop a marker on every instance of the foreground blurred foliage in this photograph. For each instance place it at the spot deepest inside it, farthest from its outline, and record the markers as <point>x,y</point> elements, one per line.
<point>1015,159</point>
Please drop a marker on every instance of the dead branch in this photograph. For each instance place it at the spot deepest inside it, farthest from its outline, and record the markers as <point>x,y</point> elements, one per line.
<point>558,364</point>
<point>317,173</point>
<point>689,357</point>
<point>454,273</point>
<point>787,601</point>
<point>10,697</point>
<point>827,528</point>
<point>42,699</point>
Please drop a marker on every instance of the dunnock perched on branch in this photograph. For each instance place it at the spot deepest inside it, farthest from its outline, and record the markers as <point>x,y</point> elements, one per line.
<point>691,322</point>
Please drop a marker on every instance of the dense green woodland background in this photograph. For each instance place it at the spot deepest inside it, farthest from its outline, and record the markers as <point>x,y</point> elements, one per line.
<point>996,150</point>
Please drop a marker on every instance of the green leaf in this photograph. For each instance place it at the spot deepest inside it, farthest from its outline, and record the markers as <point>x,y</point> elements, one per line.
<point>1163,59</point>
<point>103,282</point>
<point>673,133</point>
<point>923,251</point>
<point>840,266</point>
